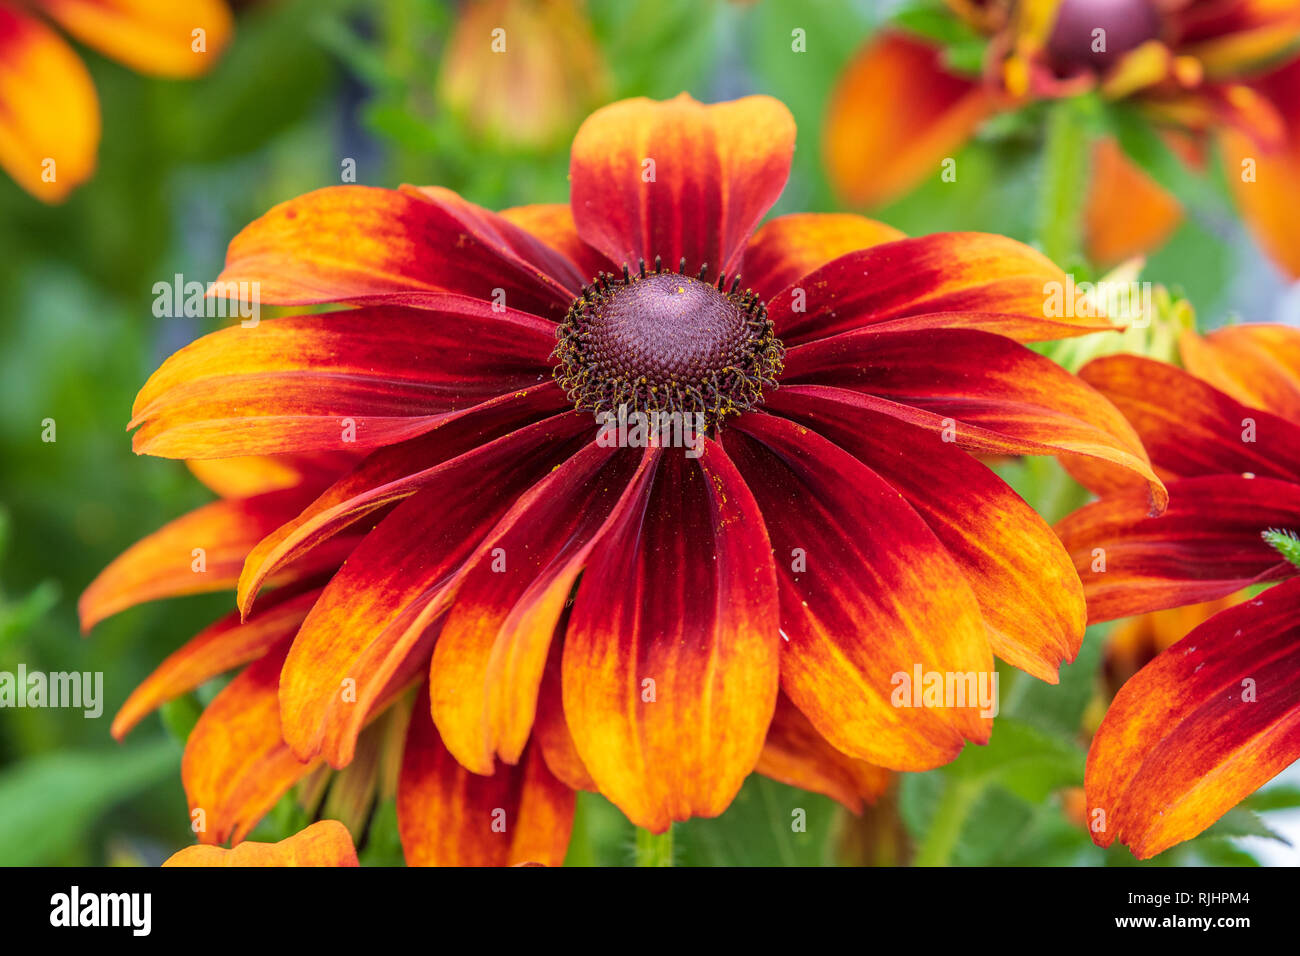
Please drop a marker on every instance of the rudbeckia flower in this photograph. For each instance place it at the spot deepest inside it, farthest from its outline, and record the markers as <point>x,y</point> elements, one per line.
<point>589,607</point>
<point>49,114</point>
<point>1216,715</point>
<point>1196,69</point>
<point>326,843</point>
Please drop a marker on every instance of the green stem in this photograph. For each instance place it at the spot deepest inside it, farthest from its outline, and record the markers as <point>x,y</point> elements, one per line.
<point>1064,183</point>
<point>949,819</point>
<point>654,849</point>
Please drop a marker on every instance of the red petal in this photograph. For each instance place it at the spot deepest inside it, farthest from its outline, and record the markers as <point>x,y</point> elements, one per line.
<point>670,660</point>
<point>679,178</point>
<point>553,224</point>
<point>550,729</point>
<point>1188,427</point>
<point>448,816</point>
<point>492,649</point>
<point>983,392</point>
<point>1205,546</point>
<point>294,384</point>
<point>360,244</point>
<point>1029,594</point>
<point>1201,727</point>
<point>1269,197</point>
<point>867,593</point>
<point>991,282</point>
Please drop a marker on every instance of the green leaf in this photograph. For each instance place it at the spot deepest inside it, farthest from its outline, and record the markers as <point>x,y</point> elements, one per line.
<point>52,802</point>
<point>1282,797</point>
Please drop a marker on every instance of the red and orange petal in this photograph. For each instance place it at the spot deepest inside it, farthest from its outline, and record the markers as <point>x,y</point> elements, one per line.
<point>1199,728</point>
<point>1258,365</point>
<point>1136,641</point>
<point>1127,213</point>
<point>679,178</point>
<point>415,247</point>
<point>49,113</point>
<point>1029,594</point>
<point>326,843</point>
<point>448,816</point>
<point>173,38</point>
<point>853,562</point>
<point>669,673</point>
<point>895,115</point>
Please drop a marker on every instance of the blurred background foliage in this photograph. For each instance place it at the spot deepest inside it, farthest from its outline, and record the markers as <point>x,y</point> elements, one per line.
<point>306,86</point>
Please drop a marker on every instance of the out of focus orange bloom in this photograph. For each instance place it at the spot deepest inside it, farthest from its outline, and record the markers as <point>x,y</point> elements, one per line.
<point>49,113</point>
<point>523,72</point>
<point>1200,71</point>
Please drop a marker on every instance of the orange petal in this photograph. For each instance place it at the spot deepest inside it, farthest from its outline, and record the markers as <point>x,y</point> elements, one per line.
<point>1199,728</point>
<point>1259,365</point>
<point>670,660</point>
<point>254,474</point>
<point>1028,591</point>
<point>1263,178</point>
<point>1127,213</point>
<point>49,114</point>
<point>199,552</point>
<point>796,754</point>
<point>215,650</point>
<point>361,244</point>
<point>162,37</point>
<point>487,666</point>
<point>895,114</point>
<point>678,178</point>
<point>448,816</point>
<point>788,248</point>
<point>236,765</point>
<point>325,843</point>
<point>868,593</point>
